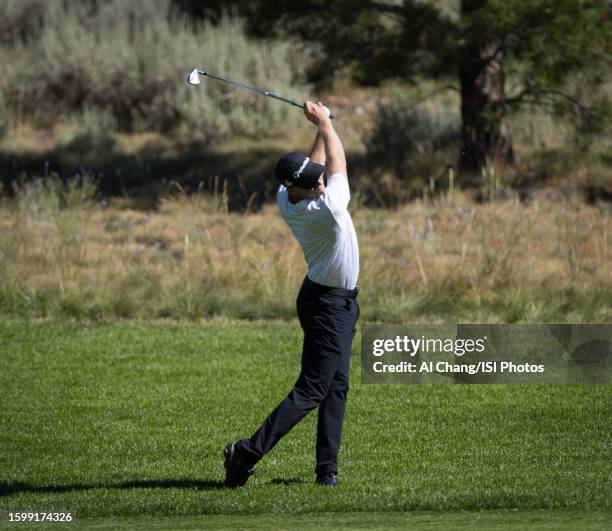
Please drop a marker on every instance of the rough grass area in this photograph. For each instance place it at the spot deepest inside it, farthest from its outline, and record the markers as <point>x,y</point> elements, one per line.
<point>65,254</point>
<point>128,420</point>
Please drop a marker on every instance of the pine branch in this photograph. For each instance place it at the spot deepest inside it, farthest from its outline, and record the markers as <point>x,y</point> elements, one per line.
<point>546,97</point>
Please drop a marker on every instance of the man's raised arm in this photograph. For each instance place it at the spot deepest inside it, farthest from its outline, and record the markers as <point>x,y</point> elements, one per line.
<point>317,153</point>
<point>334,152</point>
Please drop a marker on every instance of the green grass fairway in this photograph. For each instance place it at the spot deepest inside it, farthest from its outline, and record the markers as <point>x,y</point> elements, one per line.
<point>124,425</point>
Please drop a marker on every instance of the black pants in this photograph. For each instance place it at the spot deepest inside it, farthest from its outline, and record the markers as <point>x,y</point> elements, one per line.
<point>328,317</point>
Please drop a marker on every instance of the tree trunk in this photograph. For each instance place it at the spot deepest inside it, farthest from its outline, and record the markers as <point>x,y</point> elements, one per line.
<point>485,132</point>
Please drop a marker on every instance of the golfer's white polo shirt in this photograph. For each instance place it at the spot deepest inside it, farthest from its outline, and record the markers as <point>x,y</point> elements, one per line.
<point>325,231</point>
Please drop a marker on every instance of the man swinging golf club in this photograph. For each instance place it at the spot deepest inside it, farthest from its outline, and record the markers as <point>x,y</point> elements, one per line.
<point>313,198</point>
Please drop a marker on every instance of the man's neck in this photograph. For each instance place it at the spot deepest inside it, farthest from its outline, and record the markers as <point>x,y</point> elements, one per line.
<point>293,199</point>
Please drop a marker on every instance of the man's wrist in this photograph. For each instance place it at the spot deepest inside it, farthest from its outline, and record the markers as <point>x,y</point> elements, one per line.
<point>325,126</point>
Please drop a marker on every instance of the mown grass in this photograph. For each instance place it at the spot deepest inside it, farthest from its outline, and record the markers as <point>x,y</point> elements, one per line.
<point>66,253</point>
<point>541,519</point>
<point>129,420</point>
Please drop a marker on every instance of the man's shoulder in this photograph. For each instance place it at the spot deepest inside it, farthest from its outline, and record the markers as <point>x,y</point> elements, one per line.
<point>338,183</point>
<point>337,193</point>
<point>337,176</point>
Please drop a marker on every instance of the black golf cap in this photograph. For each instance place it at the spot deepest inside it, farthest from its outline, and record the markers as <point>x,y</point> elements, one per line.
<point>296,169</point>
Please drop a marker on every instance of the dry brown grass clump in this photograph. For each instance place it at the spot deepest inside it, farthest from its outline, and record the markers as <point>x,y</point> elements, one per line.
<point>62,253</point>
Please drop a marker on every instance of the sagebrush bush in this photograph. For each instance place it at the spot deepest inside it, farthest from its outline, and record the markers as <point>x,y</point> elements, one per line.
<point>131,59</point>
<point>90,128</point>
<point>403,131</point>
<point>20,20</point>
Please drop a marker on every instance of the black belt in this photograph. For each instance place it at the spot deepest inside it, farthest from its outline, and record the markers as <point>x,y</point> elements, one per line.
<point>329,290</point>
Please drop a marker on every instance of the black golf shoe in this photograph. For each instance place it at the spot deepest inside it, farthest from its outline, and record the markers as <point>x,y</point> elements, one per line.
<point>237,470</point>
<point>329,479</point>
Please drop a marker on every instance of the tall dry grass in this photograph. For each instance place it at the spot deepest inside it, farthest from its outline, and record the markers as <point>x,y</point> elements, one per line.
<point>65,253</point>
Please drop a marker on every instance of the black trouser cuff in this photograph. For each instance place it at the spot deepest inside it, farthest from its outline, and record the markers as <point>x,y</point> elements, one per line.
<point>326,469</point>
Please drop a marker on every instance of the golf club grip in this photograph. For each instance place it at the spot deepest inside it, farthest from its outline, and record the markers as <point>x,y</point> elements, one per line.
<point>331,114</point>
<point>294,103</point>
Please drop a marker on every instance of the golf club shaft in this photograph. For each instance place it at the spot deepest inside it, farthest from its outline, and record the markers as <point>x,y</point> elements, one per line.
<point>256,90</point>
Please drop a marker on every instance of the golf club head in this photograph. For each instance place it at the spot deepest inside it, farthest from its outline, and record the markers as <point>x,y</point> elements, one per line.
<point>194,77</point>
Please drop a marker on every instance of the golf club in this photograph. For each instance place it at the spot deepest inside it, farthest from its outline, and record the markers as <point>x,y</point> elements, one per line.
<point>194,79</point>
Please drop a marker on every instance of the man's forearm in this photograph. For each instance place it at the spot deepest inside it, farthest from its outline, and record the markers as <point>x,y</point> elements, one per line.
<point>334,152</point>
<point>317,153</point>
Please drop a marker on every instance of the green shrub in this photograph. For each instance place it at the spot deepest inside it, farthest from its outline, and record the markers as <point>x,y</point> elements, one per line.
<point>89,128</point>
<point>404,133</point>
